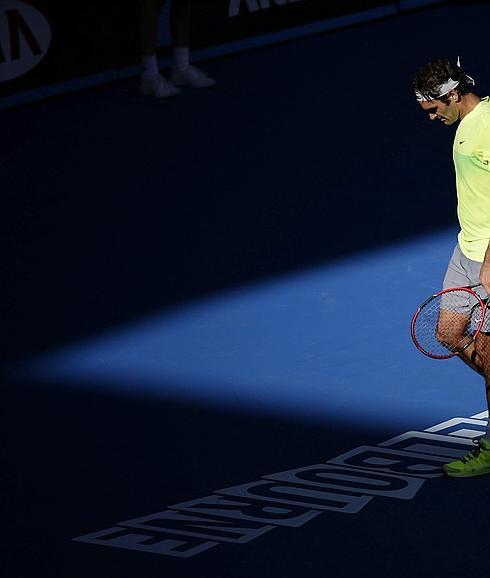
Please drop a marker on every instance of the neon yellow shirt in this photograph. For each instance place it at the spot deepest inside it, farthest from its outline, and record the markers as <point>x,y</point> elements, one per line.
<point>471,155</point>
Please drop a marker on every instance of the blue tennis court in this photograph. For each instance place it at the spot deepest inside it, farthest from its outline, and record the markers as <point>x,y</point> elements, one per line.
<point>208,364</point>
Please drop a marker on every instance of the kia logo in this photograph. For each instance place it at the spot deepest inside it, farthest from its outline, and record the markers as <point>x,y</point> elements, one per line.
<point>25,36</point>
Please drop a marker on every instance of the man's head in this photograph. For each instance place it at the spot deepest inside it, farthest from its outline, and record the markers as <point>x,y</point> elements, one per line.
<point>440,87</point>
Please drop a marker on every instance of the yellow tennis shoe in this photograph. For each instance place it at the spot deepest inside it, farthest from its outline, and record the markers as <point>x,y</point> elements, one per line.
<point>474,463</point>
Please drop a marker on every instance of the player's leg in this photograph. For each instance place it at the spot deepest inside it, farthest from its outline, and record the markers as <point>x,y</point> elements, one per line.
<point>477,461</point>
<point>482,349</point>
<point>451,332</point>
<point>453,323</point>
<point>477,356</point>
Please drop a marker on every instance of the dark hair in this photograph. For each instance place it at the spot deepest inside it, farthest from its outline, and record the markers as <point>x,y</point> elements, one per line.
<point>430,76</point>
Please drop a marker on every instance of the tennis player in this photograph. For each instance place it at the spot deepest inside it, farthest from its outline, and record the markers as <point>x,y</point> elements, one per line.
<point>445,93</point>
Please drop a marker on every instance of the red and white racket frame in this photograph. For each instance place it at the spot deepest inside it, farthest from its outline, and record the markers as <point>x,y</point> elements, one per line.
<point>482,305</point>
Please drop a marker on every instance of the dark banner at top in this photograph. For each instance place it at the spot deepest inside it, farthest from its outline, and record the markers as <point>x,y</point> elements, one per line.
<point>222,21</point>
<point>45,42</point>
<point>54,46</point>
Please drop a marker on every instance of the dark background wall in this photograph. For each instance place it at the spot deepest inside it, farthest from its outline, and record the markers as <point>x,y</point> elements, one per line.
<point>95,42</point>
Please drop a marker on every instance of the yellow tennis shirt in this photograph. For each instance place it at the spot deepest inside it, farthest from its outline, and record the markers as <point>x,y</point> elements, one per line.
<point>471,155</point>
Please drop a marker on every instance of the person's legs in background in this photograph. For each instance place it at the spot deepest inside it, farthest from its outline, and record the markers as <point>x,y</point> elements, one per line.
<point>183,73</point>
<point>152,82</point>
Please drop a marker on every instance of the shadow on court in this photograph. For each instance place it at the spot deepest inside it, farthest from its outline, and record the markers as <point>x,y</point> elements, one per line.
<point>86,461</point>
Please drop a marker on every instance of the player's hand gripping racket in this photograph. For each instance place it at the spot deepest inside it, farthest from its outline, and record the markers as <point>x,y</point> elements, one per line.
<point>448,322</point>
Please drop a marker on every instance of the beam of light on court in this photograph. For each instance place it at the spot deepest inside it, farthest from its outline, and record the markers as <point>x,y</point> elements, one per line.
<point>327,343</point>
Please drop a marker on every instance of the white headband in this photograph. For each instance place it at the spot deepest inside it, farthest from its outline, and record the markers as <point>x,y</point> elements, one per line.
<point>444,88</point>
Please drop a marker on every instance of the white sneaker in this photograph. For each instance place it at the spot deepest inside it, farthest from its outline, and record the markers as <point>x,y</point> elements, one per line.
<point>191,76</point>
<point>158,86</point>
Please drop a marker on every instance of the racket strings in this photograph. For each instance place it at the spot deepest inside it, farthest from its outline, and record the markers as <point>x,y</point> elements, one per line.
<point>446,324</point>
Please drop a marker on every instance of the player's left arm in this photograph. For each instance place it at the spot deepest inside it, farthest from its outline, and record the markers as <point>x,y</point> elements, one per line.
<point>484,158</point>
<point>485,271</point>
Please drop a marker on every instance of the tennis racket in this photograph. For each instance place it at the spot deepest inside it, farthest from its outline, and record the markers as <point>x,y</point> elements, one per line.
<point>448,322</point>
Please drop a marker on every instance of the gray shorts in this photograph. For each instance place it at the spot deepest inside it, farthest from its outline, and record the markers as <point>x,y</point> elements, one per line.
<point>463,272</point>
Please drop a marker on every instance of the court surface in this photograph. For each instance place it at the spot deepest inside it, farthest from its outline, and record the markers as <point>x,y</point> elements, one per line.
<point>208,367</point>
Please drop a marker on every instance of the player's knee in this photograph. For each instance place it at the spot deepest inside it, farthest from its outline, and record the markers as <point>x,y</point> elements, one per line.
<point>447,337</point>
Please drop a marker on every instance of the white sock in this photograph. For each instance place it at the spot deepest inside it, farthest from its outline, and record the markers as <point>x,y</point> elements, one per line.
<point>150,65</point>
<point>182,56</point>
